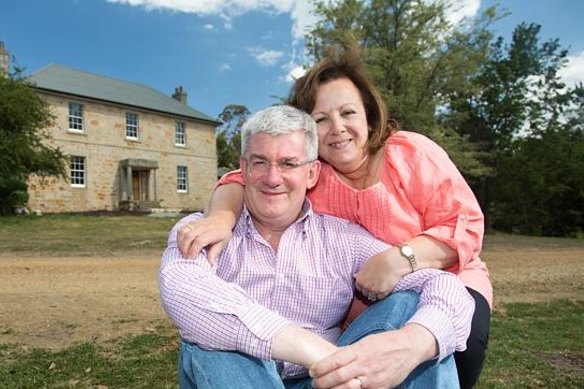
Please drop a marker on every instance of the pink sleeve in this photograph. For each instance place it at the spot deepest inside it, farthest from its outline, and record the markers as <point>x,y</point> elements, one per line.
<point>234,176</point>
<point>449,209</point>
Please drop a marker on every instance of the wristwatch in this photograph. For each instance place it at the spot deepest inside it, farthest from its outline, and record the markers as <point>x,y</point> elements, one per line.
<point>409,254</point>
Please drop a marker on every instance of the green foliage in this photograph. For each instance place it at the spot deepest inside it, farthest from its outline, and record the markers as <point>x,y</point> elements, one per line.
<point>229,135</point>
<point>13,194</point>
<point>540,190</point>
<point>518,122</point>
<point>24,120</point>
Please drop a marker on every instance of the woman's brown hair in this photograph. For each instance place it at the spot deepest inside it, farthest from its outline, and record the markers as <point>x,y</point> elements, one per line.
<point>345,63</point>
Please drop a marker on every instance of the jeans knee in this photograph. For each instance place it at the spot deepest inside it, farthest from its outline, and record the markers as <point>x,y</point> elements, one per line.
<point>388,314</point>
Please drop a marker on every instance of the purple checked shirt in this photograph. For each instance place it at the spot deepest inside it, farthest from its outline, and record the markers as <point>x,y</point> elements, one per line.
<point>254,292</point>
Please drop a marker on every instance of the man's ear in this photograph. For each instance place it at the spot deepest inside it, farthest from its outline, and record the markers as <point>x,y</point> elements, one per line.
<point>313,174</point>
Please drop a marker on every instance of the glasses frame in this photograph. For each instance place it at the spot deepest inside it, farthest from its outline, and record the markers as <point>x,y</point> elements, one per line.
<point>283,166</point>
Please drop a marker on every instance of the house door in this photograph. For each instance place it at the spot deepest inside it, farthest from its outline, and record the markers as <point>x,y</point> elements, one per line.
<point>136,194</point>
<point>140,184</point>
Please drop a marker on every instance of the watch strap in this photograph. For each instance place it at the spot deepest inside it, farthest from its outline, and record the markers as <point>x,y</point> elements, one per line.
<point>410,258</point>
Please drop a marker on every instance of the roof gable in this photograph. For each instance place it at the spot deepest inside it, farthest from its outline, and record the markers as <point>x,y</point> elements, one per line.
<point>61,79</point>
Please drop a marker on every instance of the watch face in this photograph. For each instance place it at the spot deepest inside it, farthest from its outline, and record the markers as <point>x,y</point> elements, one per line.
<point>407,251</point>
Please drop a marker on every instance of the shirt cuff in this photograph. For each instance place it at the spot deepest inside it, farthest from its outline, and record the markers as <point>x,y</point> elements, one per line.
<point>440,325</point>
<point>260,327</point>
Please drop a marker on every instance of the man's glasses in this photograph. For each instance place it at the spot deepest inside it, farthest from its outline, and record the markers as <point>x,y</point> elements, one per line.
<point>259,167</point>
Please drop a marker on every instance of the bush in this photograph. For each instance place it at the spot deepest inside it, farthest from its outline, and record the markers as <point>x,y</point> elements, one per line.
<point>13,195</point>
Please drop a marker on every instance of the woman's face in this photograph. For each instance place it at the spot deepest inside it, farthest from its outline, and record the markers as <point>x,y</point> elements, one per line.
<point>342,125</point>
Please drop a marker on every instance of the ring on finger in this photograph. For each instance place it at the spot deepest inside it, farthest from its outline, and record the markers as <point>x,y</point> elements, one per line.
<point>372,296</point>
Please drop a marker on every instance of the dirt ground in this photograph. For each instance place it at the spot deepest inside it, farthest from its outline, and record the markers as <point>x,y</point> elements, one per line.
<point>54,302</point>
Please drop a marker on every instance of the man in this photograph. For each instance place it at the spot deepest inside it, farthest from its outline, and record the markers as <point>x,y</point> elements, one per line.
<point>272,305</point>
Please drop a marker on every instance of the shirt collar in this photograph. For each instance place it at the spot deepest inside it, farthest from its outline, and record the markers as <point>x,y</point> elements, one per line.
<point>245,222</point>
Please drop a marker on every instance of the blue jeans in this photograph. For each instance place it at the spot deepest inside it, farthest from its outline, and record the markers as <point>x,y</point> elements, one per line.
<point>203,369</point>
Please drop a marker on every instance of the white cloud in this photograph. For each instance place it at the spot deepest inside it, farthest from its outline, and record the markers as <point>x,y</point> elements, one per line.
<point>225,67</point>
<point>302,18</point>
<point>227,24</point>
<point>294,68</point>
<point>299,10</point>
<point>462,9</point>
<point>208,27</point>
<point>573,73</point>
<point>200,7</point>
<point>295,73</point>
<point>266,57</point>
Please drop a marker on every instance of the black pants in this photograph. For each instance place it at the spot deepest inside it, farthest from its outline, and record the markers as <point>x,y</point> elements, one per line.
<point>469,363</point>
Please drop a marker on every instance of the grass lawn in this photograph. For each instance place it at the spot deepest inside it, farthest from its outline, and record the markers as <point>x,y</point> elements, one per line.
<point>532,345</point>
<point>82,235</point>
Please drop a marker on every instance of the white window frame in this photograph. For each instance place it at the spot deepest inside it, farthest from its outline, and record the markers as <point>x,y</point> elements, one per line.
<point>75,117</point>
<point>132,126</point>
<point>182,179</point>
<point>180,136</point>
<point>78,171</point>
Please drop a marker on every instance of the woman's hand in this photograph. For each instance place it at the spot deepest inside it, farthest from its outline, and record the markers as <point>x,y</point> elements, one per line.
<point>380,275</point>
<point>212,232</point>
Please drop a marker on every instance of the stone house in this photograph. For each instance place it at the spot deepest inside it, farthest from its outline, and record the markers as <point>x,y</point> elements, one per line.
<point>130,147</point>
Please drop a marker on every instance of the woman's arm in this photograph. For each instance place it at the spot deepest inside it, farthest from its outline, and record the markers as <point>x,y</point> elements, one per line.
<point>214,231</point>
<point>379,275</point>
<point>448,229</point>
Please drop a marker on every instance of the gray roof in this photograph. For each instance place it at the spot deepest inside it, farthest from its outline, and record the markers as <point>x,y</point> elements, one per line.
<point>74,82</point>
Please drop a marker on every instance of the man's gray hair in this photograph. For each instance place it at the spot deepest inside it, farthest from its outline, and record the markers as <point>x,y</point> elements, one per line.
<point>279,120</point>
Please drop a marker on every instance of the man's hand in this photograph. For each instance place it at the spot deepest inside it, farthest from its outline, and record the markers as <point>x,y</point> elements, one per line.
<point>212,232</point>
<point>380,361</point>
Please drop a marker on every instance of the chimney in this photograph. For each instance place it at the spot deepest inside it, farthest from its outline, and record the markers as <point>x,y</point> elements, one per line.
<point>4,59</point>
<point>180,95</point>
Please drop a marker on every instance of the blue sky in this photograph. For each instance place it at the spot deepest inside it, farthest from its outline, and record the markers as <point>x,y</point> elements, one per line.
<point>220,51</point>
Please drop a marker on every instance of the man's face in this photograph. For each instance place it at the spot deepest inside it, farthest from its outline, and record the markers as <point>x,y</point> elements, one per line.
<point>275,189</point>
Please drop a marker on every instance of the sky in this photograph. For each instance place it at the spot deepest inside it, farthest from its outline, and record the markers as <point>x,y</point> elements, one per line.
<point>220,51</point>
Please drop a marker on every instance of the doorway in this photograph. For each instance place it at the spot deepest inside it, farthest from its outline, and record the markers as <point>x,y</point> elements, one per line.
<point>140,184</point>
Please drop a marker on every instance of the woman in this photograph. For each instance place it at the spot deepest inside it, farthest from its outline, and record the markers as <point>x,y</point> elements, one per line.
<point>399,185</point>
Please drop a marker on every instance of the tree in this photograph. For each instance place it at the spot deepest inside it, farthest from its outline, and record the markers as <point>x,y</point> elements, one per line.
<point>24,122</point>
<point>416,58</point>
<point>541,189</point>
<point>229,135</point>
<point>516,108</point>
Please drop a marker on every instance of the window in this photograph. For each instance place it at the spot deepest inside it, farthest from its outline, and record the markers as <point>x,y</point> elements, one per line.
<point>179,134</point>
<point>131,125</point>
<point>181,179</point>
<point>75,117</point>
<point>78,171</point>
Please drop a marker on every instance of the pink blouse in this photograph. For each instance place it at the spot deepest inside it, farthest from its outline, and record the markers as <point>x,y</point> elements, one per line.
<point>420,192</point>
